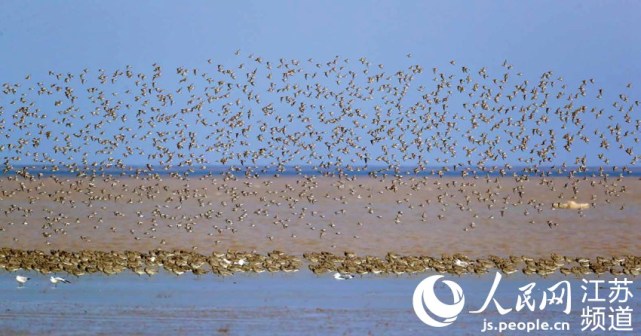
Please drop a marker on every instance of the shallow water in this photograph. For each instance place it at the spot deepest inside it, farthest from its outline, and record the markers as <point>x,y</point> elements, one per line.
<point>284,304</point>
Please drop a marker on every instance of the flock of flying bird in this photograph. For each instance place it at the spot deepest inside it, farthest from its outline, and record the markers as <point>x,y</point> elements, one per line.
<point>338,118</point>
<point>339,113</point>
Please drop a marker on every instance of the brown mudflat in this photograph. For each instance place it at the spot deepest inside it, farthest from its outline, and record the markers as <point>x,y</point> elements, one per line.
<point>409,216</point>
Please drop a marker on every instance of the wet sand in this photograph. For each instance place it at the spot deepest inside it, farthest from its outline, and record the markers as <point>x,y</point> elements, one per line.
<point>365,215</point>
<point>368,216</point>
<point>284,304</point>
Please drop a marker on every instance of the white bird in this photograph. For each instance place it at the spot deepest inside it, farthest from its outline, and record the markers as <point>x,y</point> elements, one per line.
<point>339,276</point>
<point>571,205</point>
<point>55,280</point>
<point>461,263</point>
<point>21,280</point>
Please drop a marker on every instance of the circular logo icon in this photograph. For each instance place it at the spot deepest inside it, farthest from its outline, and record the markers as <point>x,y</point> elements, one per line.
<point>430,309</point>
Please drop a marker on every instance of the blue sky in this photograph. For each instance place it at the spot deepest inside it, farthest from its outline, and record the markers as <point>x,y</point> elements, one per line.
<point>583,38</point>
<point>575,39</point>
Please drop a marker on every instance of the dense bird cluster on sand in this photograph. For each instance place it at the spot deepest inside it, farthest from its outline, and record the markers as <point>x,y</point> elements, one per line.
<point>459,264</point>
<point>176,262</point>
<point>76,148</point>
<point>179,262</point>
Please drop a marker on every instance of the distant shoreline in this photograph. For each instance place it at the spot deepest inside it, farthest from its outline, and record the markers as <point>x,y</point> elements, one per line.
<point>266,171</point>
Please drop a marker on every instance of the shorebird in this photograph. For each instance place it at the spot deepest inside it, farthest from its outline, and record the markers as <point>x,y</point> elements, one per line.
<point>339,276</point>
<point>56,280</point>
<point>461,263</point>
<point>22,280</point>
